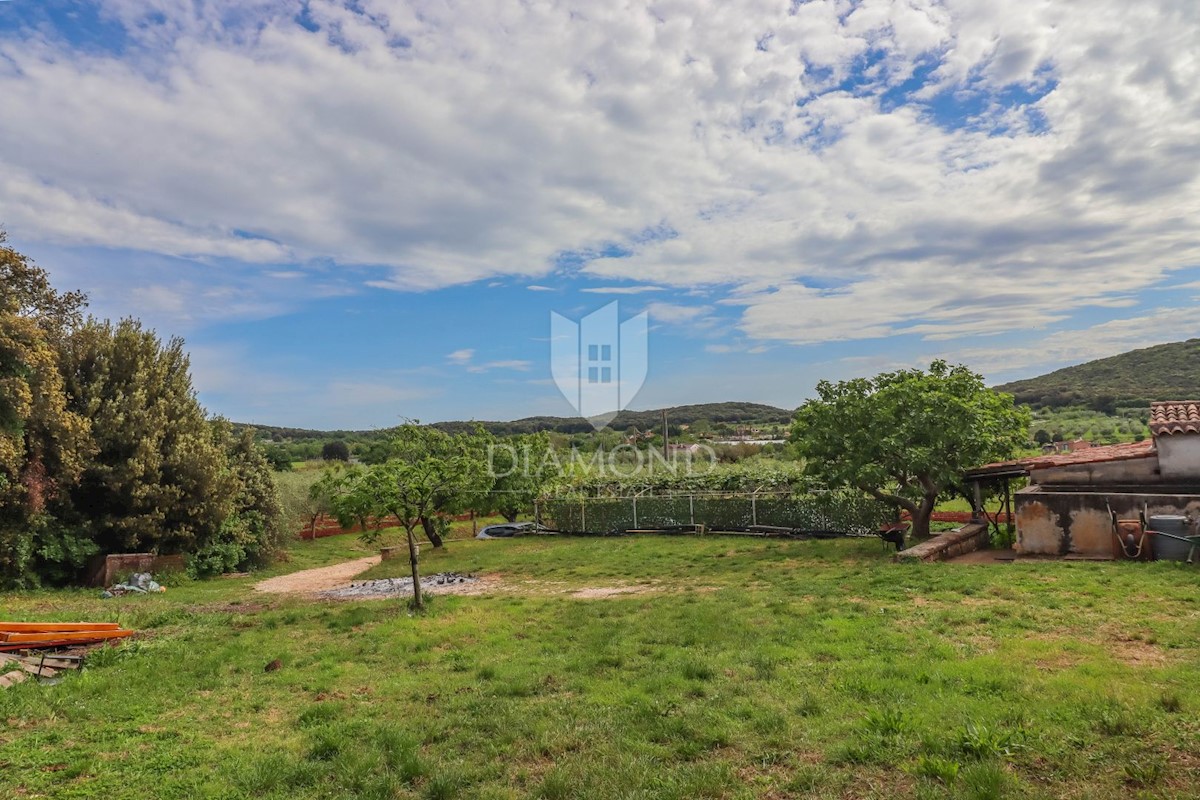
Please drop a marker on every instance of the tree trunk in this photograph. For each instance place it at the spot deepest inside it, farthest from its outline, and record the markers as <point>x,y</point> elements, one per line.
<point>509,515</point>
<point>431,532</point>
<point>418,604</point>
<point>920,517</point>
<point>312,527</point>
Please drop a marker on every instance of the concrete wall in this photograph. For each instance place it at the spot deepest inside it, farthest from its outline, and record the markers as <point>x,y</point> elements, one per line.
<point>1179,455</point>
<point>1128,471</point>
<point>1058,523</point>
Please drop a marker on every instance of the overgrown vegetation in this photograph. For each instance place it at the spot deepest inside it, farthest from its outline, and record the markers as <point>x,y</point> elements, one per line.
<point>743,669</point>
<point>104,447</point>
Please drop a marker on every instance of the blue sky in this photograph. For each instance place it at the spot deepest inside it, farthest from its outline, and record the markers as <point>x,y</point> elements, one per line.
<point>361,212</point>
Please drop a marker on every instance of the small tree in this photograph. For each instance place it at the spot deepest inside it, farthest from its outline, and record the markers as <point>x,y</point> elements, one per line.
<point>408,486</point>
<point>905,437</point>
<point>336,450</point>
<point>1042,436</point>
<point>278,457</point>
<point>519,471</point>
<point>456,498</point>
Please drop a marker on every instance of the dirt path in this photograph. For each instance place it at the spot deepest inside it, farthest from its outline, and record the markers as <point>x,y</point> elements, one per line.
<point>307,581</point>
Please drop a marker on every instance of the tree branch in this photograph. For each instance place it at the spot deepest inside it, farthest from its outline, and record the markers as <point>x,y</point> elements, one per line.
<point>903,502</point>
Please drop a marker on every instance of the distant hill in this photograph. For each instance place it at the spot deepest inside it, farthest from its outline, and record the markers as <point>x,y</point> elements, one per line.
<point>1162,372</point>
<point>730,413</point>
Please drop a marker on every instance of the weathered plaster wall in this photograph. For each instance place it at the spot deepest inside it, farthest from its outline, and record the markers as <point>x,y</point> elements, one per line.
<point>1058,523</point>
<point>1129,471</point>
<point>1179,456</point>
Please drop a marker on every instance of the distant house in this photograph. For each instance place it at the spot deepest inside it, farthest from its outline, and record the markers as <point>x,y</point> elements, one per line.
<point>683,449</point>
<point>1067,506</point>
<point>1067,447</point>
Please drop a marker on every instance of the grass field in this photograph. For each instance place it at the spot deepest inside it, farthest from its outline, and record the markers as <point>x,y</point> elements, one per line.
<point>738,668</point>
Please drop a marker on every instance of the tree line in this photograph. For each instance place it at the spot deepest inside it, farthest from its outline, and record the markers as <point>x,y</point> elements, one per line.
<point>105,448</point>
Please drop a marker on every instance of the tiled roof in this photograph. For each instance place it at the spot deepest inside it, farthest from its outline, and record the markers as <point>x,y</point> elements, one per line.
<point>1176,416</point>
<point>1092,455</point>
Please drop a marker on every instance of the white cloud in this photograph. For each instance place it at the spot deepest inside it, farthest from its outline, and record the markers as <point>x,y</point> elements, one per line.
<point>714,144</point>
<point>462,356</point>
<point>621,289</point>
<point>536,288</point>
<point>1063,348</point>
<point>510,364</point>
<point>676,313</point>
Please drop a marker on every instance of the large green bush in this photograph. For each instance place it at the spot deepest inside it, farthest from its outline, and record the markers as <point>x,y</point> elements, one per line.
<point>104,447</point>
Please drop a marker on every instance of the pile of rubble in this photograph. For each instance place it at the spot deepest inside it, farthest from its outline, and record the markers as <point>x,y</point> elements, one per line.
<point>138,583</point>
<point>397,587</point>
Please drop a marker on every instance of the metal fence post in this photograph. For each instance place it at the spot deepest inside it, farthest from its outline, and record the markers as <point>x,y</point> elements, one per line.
<point>754,509</point>
<point>635,511</point>
<point>582,515</point>
<point>692,508</point>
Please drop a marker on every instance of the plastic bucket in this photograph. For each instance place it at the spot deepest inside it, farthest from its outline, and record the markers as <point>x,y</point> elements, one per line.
<point>1166,548</point>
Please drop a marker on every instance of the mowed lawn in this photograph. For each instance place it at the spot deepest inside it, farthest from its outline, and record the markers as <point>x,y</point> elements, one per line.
<point>738,668</point>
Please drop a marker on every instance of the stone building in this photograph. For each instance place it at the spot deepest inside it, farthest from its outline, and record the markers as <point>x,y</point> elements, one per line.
<point>1068,505</point>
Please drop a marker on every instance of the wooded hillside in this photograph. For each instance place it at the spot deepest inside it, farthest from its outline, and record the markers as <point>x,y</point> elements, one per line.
<point>1164,372</point>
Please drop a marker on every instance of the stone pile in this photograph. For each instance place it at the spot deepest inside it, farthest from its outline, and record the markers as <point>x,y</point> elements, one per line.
<point>397,587</point>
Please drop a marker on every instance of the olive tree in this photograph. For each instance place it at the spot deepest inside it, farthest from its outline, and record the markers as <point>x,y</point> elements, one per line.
<point>905,437</point>
<point>427,468</point>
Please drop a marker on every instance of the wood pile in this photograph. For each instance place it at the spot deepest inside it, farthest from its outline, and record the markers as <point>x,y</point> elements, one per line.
<point>40,635</point>
<point>14,668</point>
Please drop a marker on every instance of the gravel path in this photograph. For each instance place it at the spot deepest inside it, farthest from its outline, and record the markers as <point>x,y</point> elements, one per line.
<point>310,581</point>
<point>440,583</point>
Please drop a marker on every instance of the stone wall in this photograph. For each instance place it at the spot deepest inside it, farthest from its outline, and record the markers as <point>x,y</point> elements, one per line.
<point>969,538</point>
<point>107,570</point>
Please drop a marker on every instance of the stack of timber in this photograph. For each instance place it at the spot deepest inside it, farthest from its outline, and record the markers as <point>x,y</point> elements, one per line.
<point>40,635</point>
<point>14,668</point>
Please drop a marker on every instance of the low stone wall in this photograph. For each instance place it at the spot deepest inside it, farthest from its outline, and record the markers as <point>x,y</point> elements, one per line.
<point>107,570</point>
<point>970,537</point>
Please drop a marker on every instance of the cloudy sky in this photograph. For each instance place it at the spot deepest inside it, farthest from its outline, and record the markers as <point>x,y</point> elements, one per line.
<point>360,211</point>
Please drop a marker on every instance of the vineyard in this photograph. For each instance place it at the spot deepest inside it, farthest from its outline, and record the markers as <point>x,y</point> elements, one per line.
<point>817,513</point>
<point>733,498</point>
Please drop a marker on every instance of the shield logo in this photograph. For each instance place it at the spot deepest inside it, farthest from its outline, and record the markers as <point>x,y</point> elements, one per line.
<point>599,363</point>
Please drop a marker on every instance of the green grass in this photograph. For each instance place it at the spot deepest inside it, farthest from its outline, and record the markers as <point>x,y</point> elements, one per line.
<point>751,668</point>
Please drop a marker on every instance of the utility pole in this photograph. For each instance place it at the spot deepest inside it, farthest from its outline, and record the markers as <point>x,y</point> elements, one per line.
<point>665,454</point>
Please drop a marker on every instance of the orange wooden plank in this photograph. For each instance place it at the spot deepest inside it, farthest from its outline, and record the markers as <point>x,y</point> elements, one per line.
<point>82,636</point>
<point>63,627</point>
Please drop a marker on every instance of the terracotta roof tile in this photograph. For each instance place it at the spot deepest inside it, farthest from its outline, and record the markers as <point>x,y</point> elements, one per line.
<point>1092,455</point>
<point>1176,416</point>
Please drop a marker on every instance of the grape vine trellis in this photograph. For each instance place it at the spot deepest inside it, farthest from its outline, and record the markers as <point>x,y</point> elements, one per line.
<point>723,499</point>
